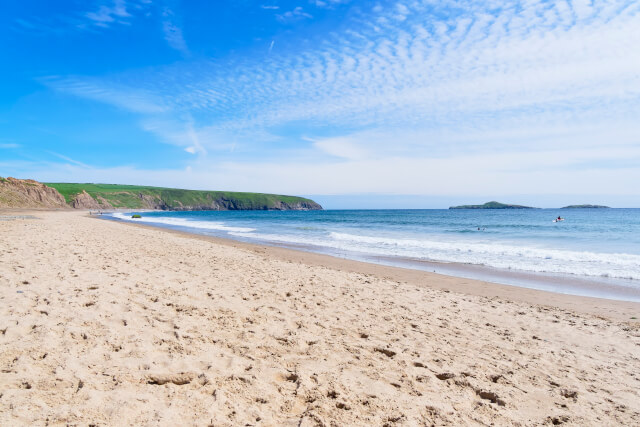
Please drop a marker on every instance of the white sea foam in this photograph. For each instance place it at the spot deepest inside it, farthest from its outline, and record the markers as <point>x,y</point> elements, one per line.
<point>502,255</point>
<point>182,222</point>
<point>498,255</point>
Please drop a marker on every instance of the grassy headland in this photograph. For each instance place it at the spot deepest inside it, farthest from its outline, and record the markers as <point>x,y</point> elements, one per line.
<point>145,197</point>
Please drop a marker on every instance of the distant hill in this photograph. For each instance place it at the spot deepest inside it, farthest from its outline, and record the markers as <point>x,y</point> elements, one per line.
<point>17,193</point>
<point>491,205</point>
<point>586,207</point>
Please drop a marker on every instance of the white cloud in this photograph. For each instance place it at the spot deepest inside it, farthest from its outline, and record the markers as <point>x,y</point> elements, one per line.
<point>327,3</point>
<point>127,98</point>
<point>173,32</point>
<point>69,160</point>
<point>106,15</point>
<point>342,147</point>
<point>402,12</point>
<point>481,175</point>
<point>421,89</point>
<point>293,15</point>
<point>475,64</point>
<point>181,133</point>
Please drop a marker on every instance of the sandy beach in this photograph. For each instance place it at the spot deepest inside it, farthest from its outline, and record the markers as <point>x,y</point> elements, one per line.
<point>106,323</point>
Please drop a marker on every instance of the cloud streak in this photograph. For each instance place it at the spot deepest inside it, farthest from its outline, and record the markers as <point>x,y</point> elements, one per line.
<point>121,96</point>
<point>106,15</point>
<point>8,145</point>
<point>295,14</point>
<point>173,32</point>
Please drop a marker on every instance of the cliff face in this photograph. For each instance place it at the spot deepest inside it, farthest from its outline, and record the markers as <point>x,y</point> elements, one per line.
<point>85,201</point>
<point>298,206</point>
<point>224,204</point>
<point>29,194</point>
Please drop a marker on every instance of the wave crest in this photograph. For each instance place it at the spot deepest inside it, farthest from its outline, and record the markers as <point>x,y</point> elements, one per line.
<point>182,222</point>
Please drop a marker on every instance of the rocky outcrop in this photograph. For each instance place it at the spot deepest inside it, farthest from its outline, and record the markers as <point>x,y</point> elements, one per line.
<point>232,205</point>
<point>29,194</point>
<point>104,203</point>
<point>85,201</point>
<point>298,206</point>
<point>152,202</point>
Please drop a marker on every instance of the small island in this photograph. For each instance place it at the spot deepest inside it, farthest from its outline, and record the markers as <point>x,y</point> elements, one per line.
<point>491,205</point>
<point>586,207</point>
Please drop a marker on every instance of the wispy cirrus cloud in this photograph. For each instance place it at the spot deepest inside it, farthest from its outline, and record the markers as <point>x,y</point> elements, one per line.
<point>295,14</point>
<point>470,62</point>
<point>173,32</point>
<point>328,3</point>
<point>121,96</point>
<point>69,160</point>
<point>108,14</point>
<point>420,78</point>
<point>8,145</point>
<point>104,15</point>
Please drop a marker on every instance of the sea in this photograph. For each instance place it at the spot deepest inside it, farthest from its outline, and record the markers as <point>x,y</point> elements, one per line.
<point>593,252</point>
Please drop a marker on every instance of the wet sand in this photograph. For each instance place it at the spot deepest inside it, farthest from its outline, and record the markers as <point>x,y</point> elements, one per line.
<point>112,323</point>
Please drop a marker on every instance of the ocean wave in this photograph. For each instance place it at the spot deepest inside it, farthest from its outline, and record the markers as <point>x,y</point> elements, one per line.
<point>181,222</point>
<point>497,255</point>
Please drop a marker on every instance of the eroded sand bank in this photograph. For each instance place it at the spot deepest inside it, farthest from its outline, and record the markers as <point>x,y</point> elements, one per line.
<point>108,323</point>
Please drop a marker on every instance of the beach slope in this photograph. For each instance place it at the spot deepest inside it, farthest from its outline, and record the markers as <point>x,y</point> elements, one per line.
<point>108,323</point>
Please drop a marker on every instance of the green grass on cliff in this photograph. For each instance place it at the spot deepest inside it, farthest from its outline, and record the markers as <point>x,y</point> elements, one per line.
<point>128,196</point>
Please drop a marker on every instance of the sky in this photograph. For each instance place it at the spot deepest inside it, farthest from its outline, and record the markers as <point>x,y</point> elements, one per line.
<point>358,104</point>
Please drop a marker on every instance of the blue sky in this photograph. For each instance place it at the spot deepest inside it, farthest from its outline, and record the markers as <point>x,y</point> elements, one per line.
<point>357,103</point>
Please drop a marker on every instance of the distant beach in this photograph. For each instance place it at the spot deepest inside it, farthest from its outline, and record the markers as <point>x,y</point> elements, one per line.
<point>111,323</point>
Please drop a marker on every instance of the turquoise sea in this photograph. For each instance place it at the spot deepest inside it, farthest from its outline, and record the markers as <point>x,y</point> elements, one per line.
<point>594,252</point>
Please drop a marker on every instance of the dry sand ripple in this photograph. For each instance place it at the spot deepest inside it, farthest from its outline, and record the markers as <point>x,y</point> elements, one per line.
<point>106,323</point>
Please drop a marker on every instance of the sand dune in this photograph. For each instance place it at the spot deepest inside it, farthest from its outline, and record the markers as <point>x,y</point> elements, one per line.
<point>108,323</point>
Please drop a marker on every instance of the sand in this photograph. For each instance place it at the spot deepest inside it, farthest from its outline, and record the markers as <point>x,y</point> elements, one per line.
<point>106,323</point>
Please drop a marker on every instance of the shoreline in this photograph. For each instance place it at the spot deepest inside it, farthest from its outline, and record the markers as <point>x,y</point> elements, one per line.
<point>619,309</point>
<point>604,279</point>
<point>444,281</point>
